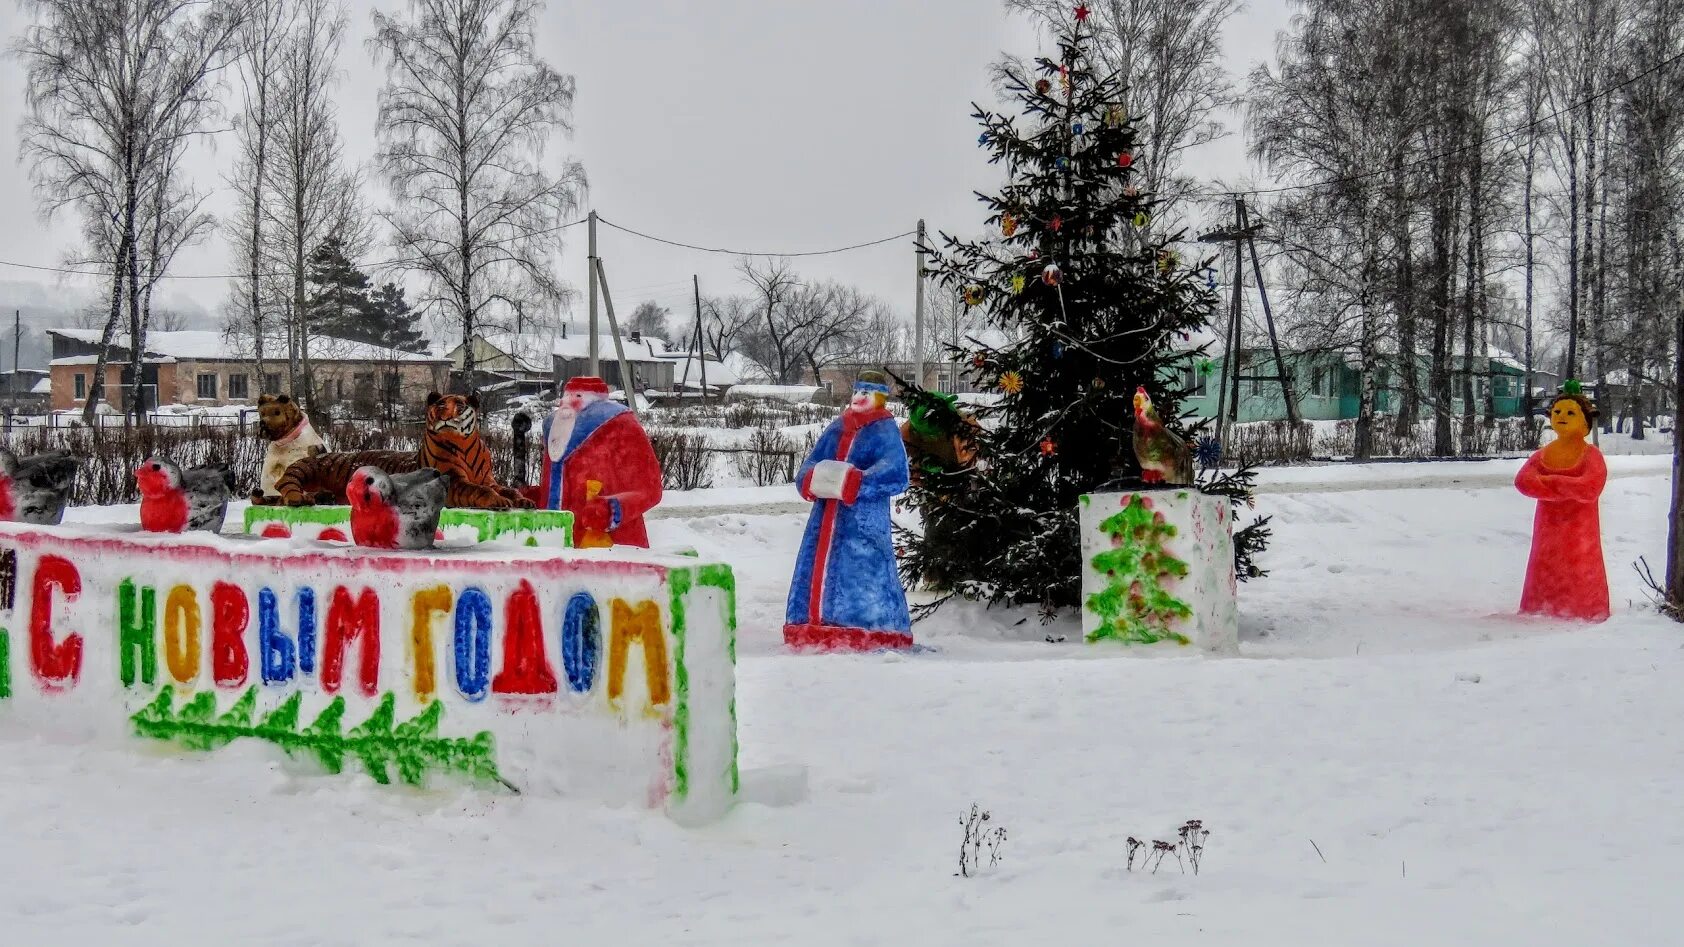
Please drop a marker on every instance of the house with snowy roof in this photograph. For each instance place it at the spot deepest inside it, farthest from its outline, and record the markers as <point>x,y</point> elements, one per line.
<point>212,369</point>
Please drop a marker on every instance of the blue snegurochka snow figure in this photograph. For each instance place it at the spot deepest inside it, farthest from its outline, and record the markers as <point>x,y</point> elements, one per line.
<point>846,594</point>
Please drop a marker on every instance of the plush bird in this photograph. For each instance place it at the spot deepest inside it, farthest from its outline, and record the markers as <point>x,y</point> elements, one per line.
<point>173,500</point>
<point>396,512</point>
<point>36,489</point>
<point>1164,457</point>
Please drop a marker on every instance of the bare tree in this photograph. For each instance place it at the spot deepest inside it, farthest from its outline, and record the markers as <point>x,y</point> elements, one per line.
<point>649,319</point>
<point>464,117</point>
<point>725,321</point>
<point>115,89</point>
<point>312,195</point>
<point>263,42</point>
<point>1169,56</point>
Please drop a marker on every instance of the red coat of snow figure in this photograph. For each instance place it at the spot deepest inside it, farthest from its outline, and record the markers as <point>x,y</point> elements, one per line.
<point>1566,576</point>
<point>600,466</point>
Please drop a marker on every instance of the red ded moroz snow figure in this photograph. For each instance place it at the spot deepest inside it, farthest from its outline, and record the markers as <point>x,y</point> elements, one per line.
<point>1566,576</point>
<point>846,593</point>
<point>600,466</point>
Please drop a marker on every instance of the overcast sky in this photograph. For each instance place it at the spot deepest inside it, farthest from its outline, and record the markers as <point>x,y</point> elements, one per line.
<point>759,126</point>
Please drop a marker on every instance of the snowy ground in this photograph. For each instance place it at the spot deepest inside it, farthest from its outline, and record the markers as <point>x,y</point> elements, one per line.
<point>1467,778</point>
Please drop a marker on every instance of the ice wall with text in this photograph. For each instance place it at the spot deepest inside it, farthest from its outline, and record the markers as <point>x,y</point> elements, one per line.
<point>602,676</point>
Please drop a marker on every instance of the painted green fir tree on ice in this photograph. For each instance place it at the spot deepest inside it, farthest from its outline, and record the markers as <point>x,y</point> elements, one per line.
<point>414,746</point>
<point>1135,607</point>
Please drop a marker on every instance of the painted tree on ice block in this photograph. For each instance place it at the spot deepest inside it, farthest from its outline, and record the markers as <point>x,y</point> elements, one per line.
<point>1137,608</point>
<point>413,746</point>
<point>1091,305</point>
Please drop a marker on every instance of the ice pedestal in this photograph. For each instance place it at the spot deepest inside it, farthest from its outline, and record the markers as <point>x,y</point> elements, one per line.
<point>1158,568</point>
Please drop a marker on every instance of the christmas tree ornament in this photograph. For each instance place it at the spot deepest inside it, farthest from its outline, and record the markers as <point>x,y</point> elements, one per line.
<point>1042,86</point>
<point>1011,383</point>
<point>1064,78</point>
<point>1114,116</point>
<point>973,295</point>
<point>1008,224</point>
<point>1131,191</point>
<point>1048,448</point>
<point>1063,163</point>
<point>1052,274</point>
<point>982,139</point>
<point>979,360</point>
<point>1018,282</point>
<point>1081,12</point>
<point>1166,261</point>
<point>1140,218</point>
<point>1076,129</point>
<point>1207,451</point>
<point>1058,349</point>
<point>1098,383</point>
<point>1056,224</point>
<point>1207,368</point>
<point>1034,255</point>
<point>1125,160</point>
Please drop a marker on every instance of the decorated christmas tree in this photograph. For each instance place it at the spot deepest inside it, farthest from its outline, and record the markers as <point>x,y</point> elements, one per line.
<point>1087,308</point>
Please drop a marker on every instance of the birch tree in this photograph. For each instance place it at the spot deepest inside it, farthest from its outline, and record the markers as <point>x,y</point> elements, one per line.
<point>262,43</point>
<point>465,115</point>
<point>115,90</point>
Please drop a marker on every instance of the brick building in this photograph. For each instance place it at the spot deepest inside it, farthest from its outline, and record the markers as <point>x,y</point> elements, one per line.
<point>208,369</point>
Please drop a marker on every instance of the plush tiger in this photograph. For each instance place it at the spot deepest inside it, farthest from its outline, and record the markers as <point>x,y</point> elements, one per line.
<point>324,477</point>
<point>452,443</point>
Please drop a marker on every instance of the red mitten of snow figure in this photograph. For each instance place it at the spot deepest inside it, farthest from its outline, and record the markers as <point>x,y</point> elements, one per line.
<point>1566,576</point>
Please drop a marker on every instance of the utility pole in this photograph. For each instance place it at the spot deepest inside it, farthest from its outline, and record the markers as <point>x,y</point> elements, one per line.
<point>17,340</point>
<point>591,342</point>
<point>701,337</point>
<point>918,313</point>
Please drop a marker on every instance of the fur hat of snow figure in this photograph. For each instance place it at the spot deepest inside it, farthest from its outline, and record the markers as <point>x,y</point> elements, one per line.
<point>399,511</point>
<point>1164,457</point>
<point>36,489</point>
<point>871,383</point>
<point>585,384</point>
<point>173,500</point>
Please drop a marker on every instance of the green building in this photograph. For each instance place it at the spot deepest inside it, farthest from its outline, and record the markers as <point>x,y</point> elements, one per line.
<point>1327,385</point>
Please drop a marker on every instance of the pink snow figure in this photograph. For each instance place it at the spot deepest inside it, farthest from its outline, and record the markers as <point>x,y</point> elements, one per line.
<point>1566,576</point>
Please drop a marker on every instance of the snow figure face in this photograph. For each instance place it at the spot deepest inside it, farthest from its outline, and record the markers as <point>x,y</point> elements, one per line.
<point>1568,419</point>
<point>157,476</point>
<point>572,402</point>
<point>368,485</point>
<point>866,400</point>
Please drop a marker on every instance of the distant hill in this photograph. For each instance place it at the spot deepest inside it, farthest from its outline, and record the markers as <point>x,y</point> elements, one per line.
<point>42,306</point>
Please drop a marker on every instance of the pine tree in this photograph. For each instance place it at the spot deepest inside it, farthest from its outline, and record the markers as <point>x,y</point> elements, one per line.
<point>391,321</point>
<point>344,305</point>
<point>1091,306</point>
<point>338,304</point>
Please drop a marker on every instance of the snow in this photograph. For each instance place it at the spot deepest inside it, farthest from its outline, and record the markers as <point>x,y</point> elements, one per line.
<point>1466,777</point>
<point>791,393</point>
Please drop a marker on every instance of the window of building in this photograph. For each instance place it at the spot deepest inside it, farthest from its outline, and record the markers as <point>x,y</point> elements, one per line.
<point>1318,382</point>
<point>207,386</point>
<point>272,383</point>
<point>394,385</point>
<point>81,384</point>
<point>237,387</point>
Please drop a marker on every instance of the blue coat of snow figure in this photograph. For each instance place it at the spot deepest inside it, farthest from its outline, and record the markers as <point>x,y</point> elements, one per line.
<point>846,594</point>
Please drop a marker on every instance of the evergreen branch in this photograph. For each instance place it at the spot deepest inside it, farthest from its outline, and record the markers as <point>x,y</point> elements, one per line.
<point>414,746</point>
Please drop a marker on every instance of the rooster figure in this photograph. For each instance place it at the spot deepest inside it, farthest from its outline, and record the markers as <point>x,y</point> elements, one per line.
<point>35,489</point>
<point>173,500</point>
<point>1164,457</point>
<point>396,511</point>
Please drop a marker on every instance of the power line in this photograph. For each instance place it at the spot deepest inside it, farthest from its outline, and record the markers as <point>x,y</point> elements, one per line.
<point>1480,143</point>
<point>203,276</point>
<point>691,246</point>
